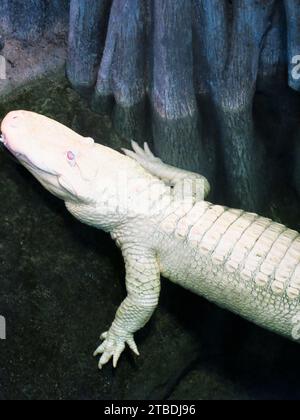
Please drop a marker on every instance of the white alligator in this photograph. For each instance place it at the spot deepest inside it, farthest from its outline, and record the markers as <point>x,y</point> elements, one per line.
<point>158,216</point>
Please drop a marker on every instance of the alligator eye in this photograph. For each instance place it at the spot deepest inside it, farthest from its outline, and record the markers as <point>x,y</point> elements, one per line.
<point>71,158</point>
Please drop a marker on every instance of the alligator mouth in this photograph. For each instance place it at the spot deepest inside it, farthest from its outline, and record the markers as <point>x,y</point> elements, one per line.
<point>5,148</point>
<point>20,159</point>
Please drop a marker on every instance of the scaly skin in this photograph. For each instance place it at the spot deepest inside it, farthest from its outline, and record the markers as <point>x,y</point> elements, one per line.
<point>158,217</point>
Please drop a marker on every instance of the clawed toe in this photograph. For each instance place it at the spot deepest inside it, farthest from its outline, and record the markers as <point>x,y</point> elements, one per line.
<point>139,154</point>
<point>112,347</point>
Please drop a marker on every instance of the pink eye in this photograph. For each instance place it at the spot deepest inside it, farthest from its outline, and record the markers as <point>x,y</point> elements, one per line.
<point>71,156</point>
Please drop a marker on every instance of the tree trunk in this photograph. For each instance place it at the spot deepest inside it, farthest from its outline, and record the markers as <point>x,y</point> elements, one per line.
<point>25,19</point>
<point>199,79</point>
<point>292,8</point>
<point>187,74</point>
<point>29,20</point>
<point>87,22</point>
<point>122,77</point>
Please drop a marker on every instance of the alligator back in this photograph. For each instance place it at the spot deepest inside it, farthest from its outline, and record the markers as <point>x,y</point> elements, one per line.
<point>241,261</point>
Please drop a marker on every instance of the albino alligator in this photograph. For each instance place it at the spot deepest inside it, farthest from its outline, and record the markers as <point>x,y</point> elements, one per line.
<point>158,216</point>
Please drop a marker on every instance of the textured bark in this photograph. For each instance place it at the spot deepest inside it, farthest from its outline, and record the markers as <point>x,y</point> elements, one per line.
<point>122,74</point>
<point>186,73</point>
<point>87,21</point>
<point>57,16</point>
<point>271,70</point>
<point>29,20</point>
<point>24,19</point>
<point>176,120</point>
<point>232,80</point>
<point>292,8</point>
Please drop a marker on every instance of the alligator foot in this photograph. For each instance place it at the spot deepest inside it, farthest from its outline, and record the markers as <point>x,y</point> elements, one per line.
<point>113,346</point>
<point>185,183</point>
<point>145,158</point>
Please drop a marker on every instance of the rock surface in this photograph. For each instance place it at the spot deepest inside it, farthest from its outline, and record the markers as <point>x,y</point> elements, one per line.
<point>25,62</point>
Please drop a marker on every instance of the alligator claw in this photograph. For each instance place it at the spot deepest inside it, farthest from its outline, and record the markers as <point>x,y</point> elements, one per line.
<point>113,346</point>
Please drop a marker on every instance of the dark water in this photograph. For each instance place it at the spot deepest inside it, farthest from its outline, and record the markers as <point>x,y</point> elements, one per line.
<point>61,283</point>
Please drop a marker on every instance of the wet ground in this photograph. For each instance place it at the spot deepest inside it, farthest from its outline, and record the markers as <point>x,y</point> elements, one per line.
<point>61,283</point>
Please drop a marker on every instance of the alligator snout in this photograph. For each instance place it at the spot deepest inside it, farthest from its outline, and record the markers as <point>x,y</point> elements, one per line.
<point>11,119</point>
<point>10,128</point>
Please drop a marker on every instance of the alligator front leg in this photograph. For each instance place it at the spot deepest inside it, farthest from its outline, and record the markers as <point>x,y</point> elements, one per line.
<point>143,289</point>
<point>184,183</point>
